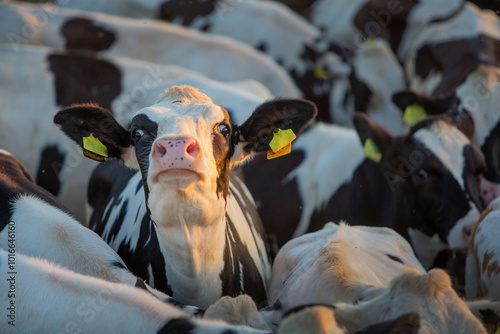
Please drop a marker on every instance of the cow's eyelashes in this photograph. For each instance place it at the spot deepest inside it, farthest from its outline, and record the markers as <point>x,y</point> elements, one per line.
<point>223,129</point>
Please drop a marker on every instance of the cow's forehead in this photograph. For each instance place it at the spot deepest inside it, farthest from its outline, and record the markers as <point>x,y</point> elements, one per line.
<point>447,144</point>
<point>198,111</point>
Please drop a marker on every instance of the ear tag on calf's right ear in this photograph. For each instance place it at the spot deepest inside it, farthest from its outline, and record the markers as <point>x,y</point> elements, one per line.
<point>94,149</point>
<point>371,150</point>
<point>414,114</point>
<point>281,143</point>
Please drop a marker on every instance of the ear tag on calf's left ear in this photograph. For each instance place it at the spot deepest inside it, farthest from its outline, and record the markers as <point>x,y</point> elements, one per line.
<point>414,114</point>
<point>371,150</point>
<point>281,144</point>
<point>94,149</point>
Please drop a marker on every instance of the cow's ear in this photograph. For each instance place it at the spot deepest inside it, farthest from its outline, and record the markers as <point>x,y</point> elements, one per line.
<point>280,114</point>
<point>102,134</point>
<point>432,105</point>
<point>374,137</point>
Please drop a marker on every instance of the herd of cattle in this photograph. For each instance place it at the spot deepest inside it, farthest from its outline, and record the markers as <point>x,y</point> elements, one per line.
<point>381,218</point>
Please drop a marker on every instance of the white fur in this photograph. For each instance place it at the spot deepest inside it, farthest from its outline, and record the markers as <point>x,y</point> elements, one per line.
<point>44,231</point>
<point>323,144</point>
<point>377,66</point>
<point>338,263</point>
<point>52,299</point>
<point>483,259</point>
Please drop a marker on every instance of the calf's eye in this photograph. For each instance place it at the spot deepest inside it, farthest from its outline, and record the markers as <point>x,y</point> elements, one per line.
<point>223,129</point>
<point>422,175</point>
<point>137,134</point>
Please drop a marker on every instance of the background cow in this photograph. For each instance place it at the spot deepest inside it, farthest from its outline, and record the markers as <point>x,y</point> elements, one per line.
<point>423,185</point>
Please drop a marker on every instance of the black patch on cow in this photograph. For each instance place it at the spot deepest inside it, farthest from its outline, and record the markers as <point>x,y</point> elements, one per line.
<point>489,319</point>
<point>143,146</point>
<point>267,186</point>
<point>117,264</point>
<point>178,326</point>
<point>455,60</point>
<point>262,46</point>
<point>373,19</point>
<point>314,88</point>
<point>491,151</point>
<point>238,263</point>
<point>206,27</point>
<point>186,10</point>
<point>453,262</point>
<point>83,34</point>
<point>84,79</point>
<point>51,163</point>
<point>106,179</point>
<point>407,323</point>
<point>16,181</point>
<point>361,92</point>
<point>493,5</point>
<point>472,174</point>
<point>139,283</point>
<point>394,258</point>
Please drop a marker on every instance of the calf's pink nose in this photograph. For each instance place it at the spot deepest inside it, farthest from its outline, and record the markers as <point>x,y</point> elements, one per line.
<point>176,153</point>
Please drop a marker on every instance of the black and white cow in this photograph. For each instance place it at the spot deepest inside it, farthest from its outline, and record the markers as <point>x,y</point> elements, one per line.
<point>54,79</point>
<point>42,297</point>
<point>181,222</point>
<point>424,185</point>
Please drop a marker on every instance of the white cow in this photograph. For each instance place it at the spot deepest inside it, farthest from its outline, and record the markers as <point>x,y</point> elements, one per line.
<point>339,263</point>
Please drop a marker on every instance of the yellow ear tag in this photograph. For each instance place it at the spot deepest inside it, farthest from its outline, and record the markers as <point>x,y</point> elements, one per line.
<point>498,328</point>
<point>371,150</point>
<point>94,149</point>
<point>414,114</point>
<point>281,143</point>
<point>319,72</point>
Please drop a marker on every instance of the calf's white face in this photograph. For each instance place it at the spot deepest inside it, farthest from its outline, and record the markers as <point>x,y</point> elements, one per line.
<point>182,149</point>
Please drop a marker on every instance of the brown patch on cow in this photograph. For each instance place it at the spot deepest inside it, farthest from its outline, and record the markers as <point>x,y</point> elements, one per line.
<point>83,34</point>
<point>187,10</point>
<point>491,268</point>
<point>379,18</point>
<point>82,78</point>
<point>455,65</point>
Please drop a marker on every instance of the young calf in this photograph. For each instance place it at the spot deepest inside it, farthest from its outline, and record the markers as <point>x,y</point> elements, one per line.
<point>182,223</point>
<point>423,185</point>
<point>338,263</point>
<point>44,298</point>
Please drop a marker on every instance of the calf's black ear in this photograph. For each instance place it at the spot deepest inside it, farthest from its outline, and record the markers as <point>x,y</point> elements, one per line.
<point>432,105</point>
<point>295,114</point>
<point>278,114</point>
<point>89,120</point>
<point>374,137</point>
